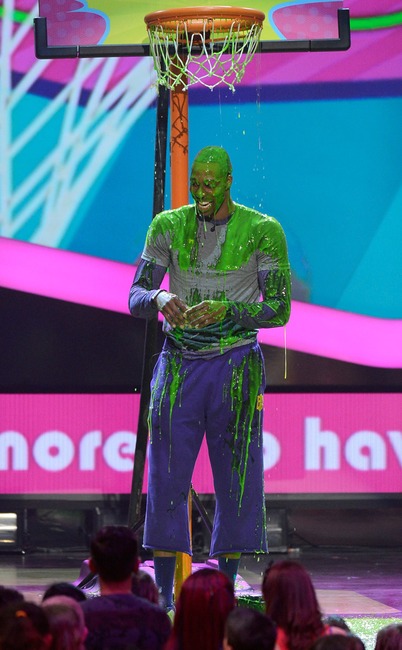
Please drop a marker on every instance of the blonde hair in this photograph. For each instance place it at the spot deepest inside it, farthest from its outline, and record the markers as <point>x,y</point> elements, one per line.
<point>67,623</point>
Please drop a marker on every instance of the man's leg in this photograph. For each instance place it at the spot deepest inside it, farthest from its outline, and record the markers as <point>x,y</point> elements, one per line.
<point>165,565</point>
<point>229,565</point>
<point>234,435</point>
<point>176,432</point>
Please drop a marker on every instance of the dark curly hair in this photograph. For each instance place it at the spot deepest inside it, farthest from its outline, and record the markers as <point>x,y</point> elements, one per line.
<point>114,551</point>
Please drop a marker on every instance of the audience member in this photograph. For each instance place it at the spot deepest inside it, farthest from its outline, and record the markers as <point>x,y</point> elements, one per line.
<point>290,600</point>
<point>144,586</point>
<point>335,623</point>
<point>248,629</point>
<point>24,626</point>
<point>9,595</point>
<point>337,641</point>
<point>64,589</point>
<point>118,618</point>
<point>389,637</point>
<point>204,602</point>
<point>67,624</point>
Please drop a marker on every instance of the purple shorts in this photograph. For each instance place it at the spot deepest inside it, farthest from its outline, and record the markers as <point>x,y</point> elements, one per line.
<point>222,398</point>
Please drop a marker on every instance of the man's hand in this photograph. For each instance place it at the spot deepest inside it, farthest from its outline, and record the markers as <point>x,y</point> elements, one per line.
<point>172,308</point>
<point>205,313</point>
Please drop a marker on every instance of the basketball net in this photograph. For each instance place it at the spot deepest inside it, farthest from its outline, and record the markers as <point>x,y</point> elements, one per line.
<point>210,46</point>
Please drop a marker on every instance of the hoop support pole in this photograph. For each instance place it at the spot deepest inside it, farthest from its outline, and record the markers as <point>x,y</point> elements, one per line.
<point>179,145</point>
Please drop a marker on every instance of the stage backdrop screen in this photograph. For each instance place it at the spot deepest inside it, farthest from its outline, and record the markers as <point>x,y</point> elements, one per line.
<point>313,443</point>
<point>315,141</point>
<point>314,138</point>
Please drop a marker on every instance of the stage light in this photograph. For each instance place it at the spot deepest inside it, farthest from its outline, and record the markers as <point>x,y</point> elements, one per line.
<point>8,530</point>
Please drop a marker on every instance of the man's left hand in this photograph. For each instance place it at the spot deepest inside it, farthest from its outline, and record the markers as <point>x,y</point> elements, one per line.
<point>205,313</point>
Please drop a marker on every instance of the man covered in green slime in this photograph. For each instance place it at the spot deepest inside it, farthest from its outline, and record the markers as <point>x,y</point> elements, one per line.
<point>229,275</point>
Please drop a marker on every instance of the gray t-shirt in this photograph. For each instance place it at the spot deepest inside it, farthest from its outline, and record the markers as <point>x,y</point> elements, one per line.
<point>241,261</point>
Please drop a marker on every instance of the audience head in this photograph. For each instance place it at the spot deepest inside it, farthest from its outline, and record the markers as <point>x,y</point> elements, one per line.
<point>389,637</point>
<point>24,626</point>
<point>9,595</point>
<point>248,629</point>
<point>114,554</point>
<point>335,621</point>
<point>144,585</point>
<point>336,641</point>
<point>66,620</point>
<point>291,601</point>
<point>204,602</point>
<point>64,589</point>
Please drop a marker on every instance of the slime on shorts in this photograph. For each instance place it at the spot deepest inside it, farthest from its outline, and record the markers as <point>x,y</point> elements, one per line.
<point>221,397</point>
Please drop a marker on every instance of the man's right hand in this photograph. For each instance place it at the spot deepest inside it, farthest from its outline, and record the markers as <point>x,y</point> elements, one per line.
<point>172,308</point>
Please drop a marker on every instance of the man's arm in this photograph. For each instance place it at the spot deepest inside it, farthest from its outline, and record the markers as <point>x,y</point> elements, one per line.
<point>273,280</point>
<point>273,310</point>
<point>145,288</point>
<point>146,298</point>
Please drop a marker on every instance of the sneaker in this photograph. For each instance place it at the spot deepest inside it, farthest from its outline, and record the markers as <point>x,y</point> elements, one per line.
<point>170,611</point>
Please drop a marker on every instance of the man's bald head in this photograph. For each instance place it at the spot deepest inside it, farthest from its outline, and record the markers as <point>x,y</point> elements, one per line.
<point>217,155</point>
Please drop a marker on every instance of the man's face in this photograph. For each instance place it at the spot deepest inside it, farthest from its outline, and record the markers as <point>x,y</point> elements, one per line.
<point>209,187</point>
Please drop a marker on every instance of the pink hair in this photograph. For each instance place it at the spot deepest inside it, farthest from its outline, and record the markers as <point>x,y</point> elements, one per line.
<point>205,600</point>
<point>291,601</point>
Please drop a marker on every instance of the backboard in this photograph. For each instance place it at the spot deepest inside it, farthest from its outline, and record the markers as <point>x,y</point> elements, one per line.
<point>88,28</point>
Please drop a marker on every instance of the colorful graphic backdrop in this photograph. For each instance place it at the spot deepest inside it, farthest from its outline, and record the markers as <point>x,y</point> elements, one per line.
<point>315,140</point>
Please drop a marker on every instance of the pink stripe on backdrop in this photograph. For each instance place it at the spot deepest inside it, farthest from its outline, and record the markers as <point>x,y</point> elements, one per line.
<point>313,443</point>
<point>373,56</point>
<point>360,8</point>
<point>105,284</point>
<point>64,275</point>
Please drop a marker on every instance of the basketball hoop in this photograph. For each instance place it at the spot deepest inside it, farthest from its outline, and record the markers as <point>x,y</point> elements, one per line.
<point>206,45</point>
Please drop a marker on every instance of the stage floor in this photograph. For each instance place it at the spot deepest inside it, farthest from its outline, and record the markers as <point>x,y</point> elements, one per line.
<point>349,581</point>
